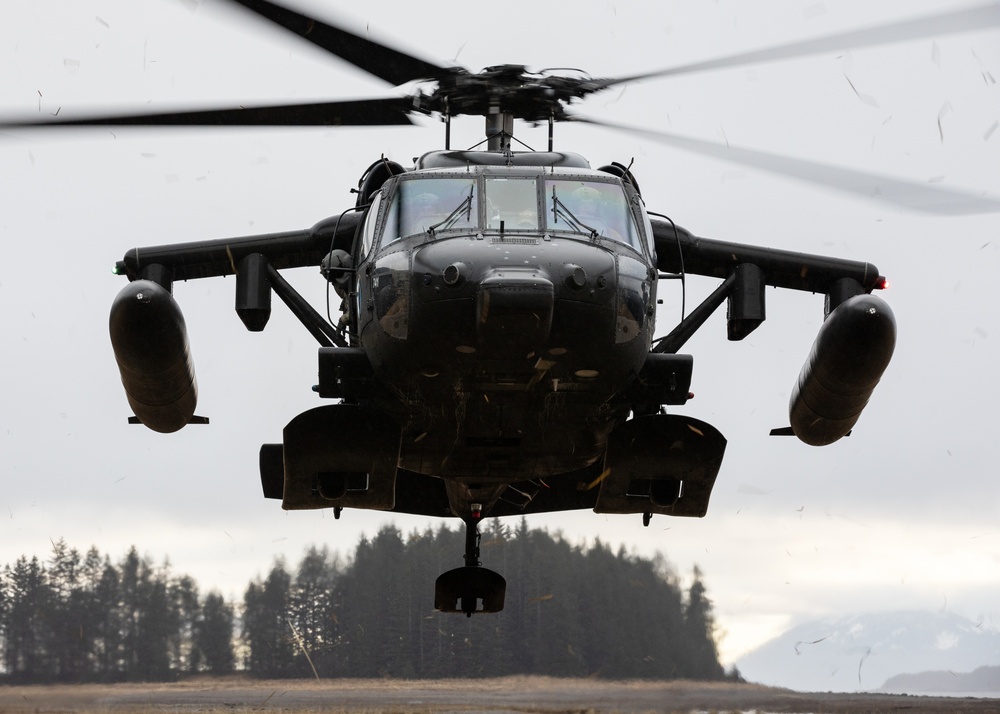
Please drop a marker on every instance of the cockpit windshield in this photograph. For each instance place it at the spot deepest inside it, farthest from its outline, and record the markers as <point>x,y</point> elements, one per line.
<point>430,205</point>
<point>594,207</point>
<point>511,203</point>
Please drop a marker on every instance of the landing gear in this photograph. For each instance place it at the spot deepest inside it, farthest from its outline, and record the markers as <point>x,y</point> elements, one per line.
<point>463,589</point>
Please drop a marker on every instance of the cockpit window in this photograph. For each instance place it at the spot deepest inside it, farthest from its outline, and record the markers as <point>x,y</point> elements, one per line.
<point>511,204</point>
<point>368,232</point>
<point>591,207</point>
<point>430,205</point>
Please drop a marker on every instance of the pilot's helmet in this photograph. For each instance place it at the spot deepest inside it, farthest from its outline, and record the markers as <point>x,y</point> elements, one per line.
<point>587,199</point>
<point>425,201</point>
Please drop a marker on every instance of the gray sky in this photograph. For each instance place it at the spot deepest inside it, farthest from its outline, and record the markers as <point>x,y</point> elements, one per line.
<point>903,514</point>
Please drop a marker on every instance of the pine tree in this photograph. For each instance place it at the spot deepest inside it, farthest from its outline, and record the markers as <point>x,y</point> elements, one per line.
<point>311,610</point>
<point>374,616</point>
<point>157,621</point>
<point>699,625</point>
<point>185,614</point>
<point>130,604</point>
<point>213,635</point>
<point>266,627</point>
<point>107,619</point>
<point>4,607</point>
<point>26,631</point>
<point>68,614</point>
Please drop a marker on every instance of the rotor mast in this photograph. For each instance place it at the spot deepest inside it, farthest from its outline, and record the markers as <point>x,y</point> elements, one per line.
<point>499,130</point>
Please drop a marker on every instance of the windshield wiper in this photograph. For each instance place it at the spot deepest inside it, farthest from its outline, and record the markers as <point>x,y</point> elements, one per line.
<point>465,205</point>
<point>559,209</point>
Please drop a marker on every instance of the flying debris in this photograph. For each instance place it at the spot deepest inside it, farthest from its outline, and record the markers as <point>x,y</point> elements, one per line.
<point>496,351</point>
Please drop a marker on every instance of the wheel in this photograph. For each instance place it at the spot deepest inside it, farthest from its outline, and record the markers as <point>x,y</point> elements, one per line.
<point>462,589</point>
<point>469,605</point>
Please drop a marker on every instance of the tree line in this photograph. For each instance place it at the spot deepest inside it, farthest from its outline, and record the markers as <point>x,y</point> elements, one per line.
<point>81,618</point>
<point>570,611</point>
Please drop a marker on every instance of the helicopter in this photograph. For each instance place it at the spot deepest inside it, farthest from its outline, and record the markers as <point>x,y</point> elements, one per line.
<point>496,352</point>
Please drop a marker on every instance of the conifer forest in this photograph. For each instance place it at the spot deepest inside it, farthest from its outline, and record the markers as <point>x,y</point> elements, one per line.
<point>571,611</point>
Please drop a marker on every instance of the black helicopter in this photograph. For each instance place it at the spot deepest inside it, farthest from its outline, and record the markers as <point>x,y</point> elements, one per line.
<point>496,350</point>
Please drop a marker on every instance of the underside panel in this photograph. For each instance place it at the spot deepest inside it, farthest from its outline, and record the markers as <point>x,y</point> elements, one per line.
<point>663,464</point>
<point>340,456</point>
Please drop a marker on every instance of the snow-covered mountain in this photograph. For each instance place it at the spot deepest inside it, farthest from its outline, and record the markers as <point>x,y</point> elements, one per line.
<point>860,652</point>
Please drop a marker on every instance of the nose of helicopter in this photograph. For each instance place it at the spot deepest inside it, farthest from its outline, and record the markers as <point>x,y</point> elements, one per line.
<point>514,309</point>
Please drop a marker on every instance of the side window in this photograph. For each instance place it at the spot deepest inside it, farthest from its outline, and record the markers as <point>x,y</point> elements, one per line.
<point>436,204</point>
<point>371,223</point>
<point>420,206</point>
<point>646,225</point>
<point>390,226</point>
<point>590,207</point>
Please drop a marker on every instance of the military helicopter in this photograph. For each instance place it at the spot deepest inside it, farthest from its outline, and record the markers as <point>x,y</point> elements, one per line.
<point>496,351</point>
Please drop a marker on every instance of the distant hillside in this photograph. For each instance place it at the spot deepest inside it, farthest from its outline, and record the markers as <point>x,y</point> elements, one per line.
<point>861,652</point>
<point>984,679</point>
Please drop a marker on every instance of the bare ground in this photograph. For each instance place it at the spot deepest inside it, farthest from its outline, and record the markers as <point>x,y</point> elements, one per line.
<point>527,695</point>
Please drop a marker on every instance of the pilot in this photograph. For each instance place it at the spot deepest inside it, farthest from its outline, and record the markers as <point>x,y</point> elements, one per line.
<point>425,210</point>
<point>586,202</point>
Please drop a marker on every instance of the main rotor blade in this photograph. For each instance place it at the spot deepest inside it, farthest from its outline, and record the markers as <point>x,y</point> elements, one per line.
<point>371,112</point>
<point>910,195</point>
<point>976,18</point>
<point>384,62</point>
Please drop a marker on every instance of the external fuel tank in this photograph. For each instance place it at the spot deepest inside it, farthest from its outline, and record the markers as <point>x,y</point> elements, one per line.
<point>150,342</point>
<point>850,353</point>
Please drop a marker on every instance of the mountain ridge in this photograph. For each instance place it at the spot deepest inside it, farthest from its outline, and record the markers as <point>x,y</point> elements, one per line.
<point>982,680</point>
<point>862,652</point>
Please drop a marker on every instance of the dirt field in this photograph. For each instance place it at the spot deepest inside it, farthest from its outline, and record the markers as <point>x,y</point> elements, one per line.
<point>519,694</point>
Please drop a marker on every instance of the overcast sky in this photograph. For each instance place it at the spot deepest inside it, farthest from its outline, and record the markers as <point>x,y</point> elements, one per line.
<point>902,514</point>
